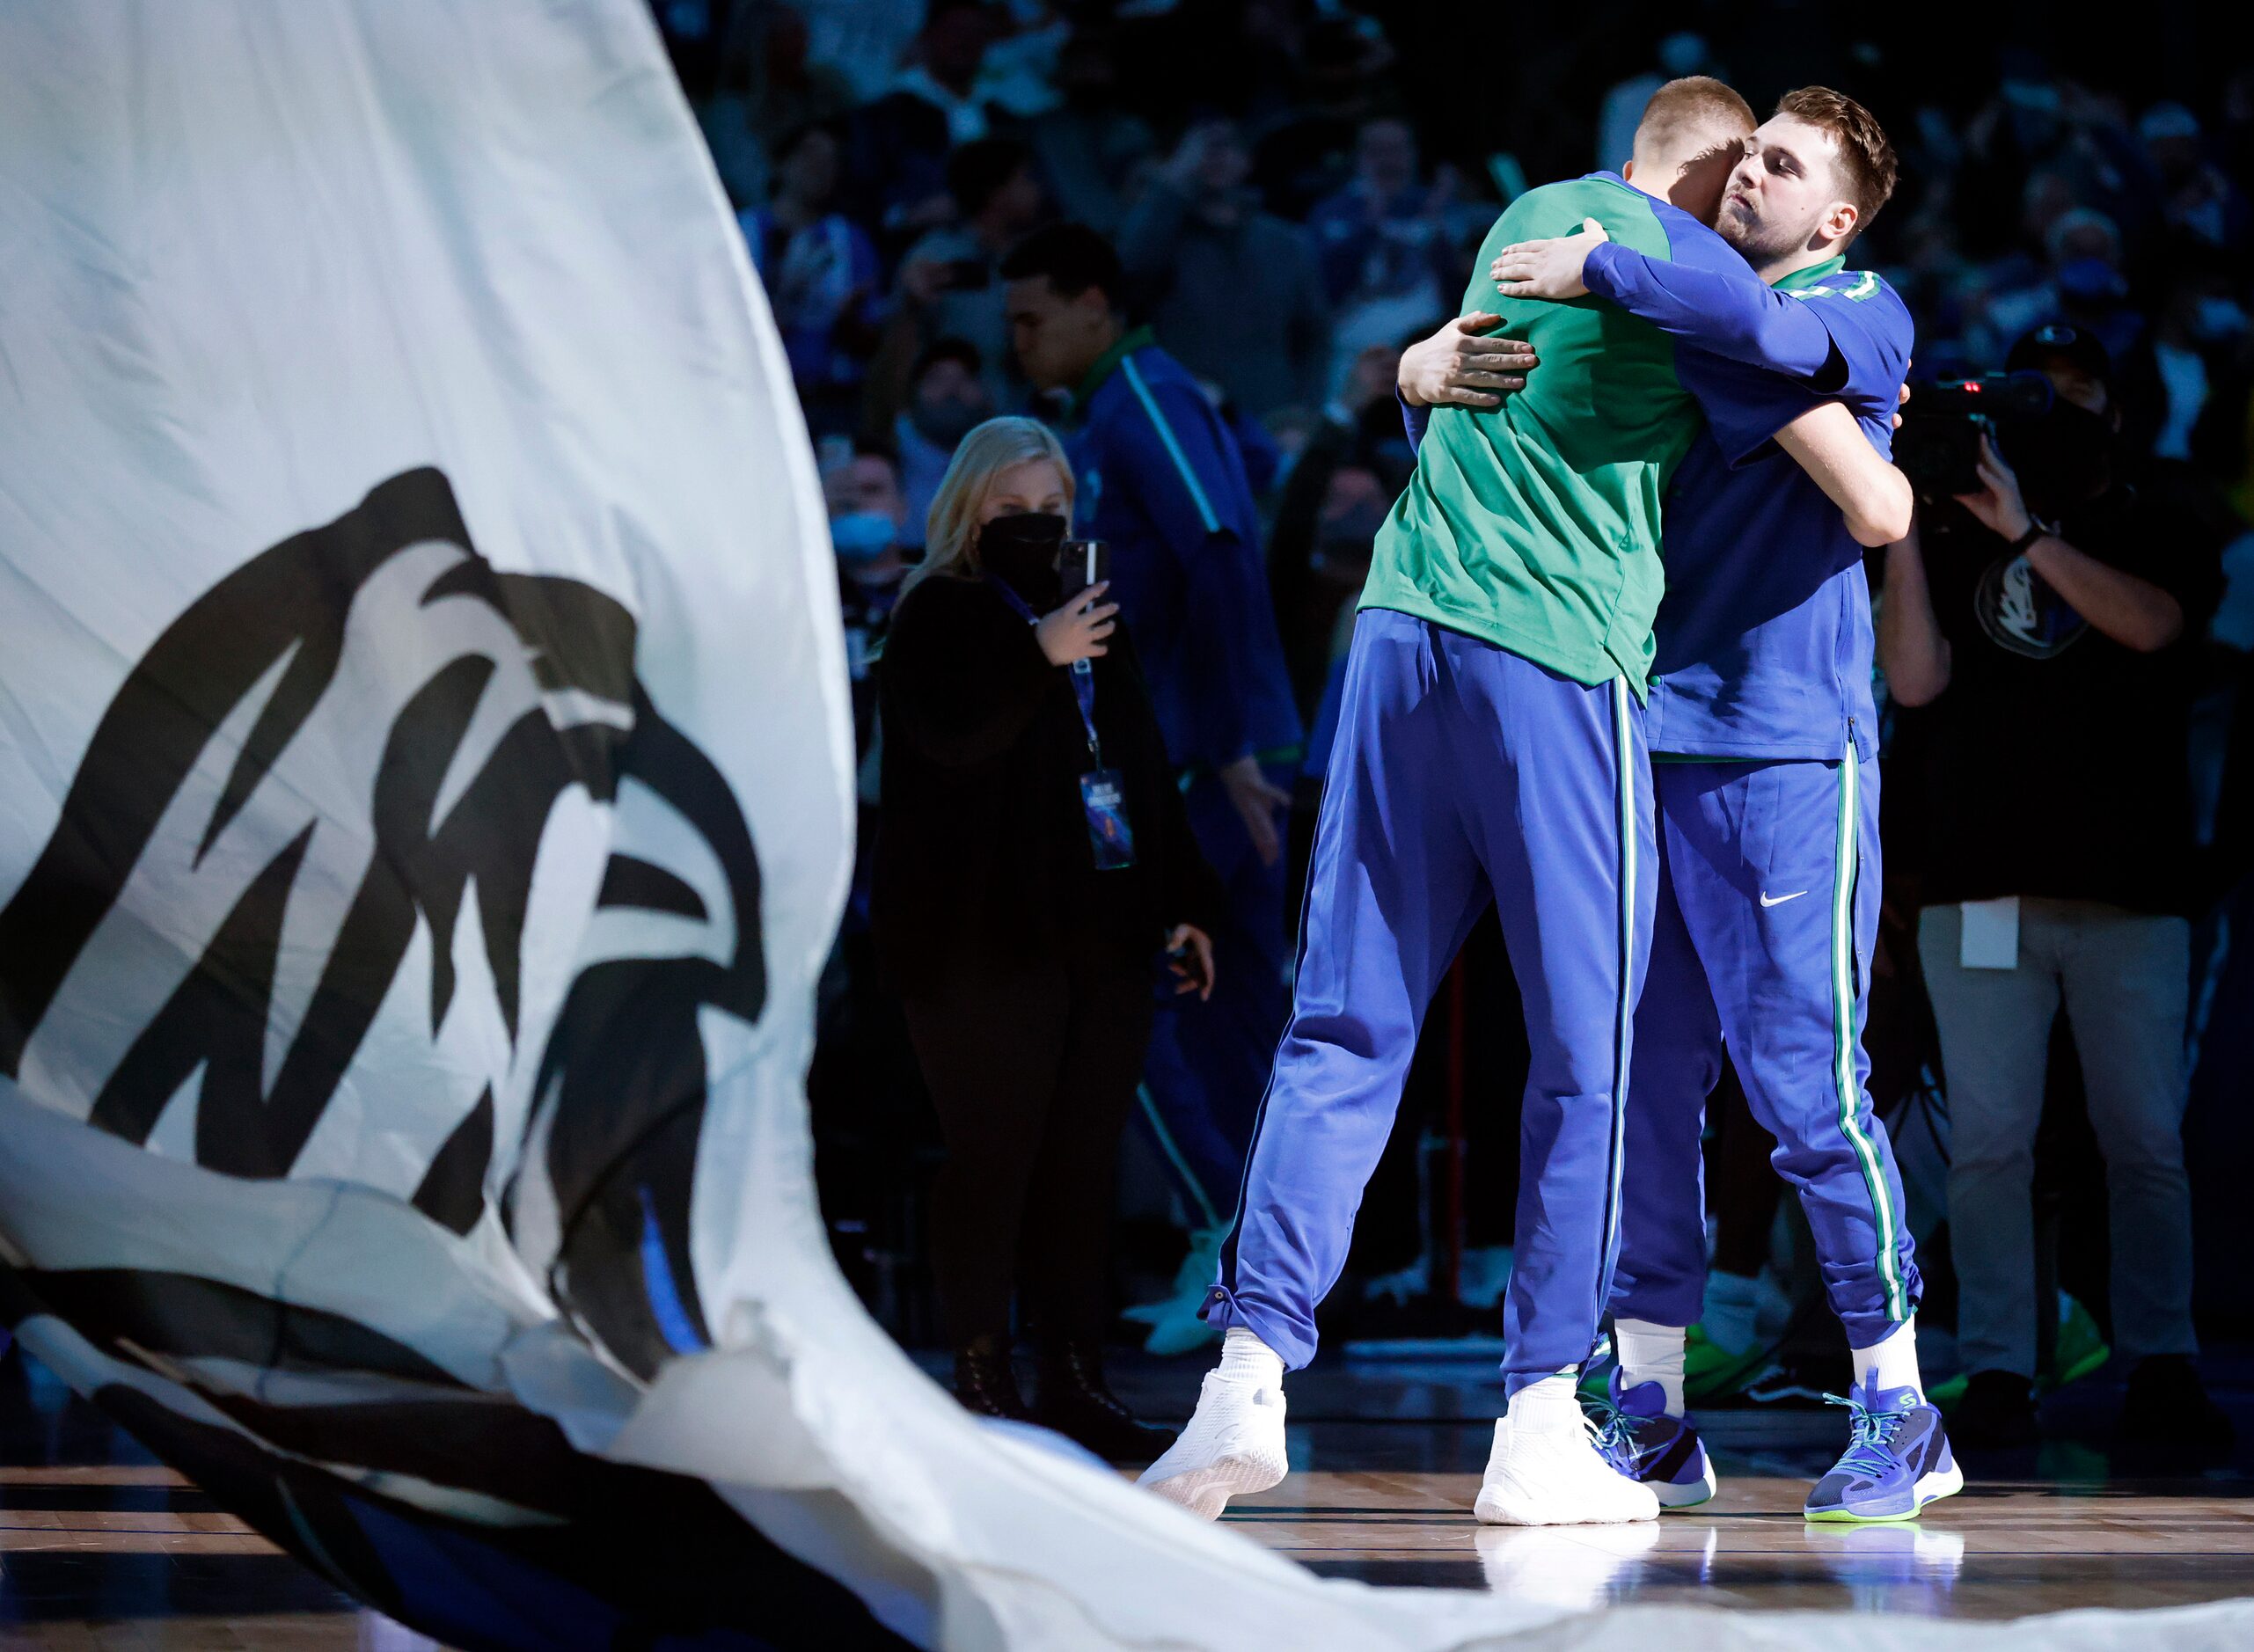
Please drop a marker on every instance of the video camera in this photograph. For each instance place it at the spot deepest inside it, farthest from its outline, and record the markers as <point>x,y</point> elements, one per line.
<point>1938,447</point>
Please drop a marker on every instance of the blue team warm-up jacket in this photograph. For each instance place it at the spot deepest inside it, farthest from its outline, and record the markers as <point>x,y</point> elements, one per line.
<point>1162,481</point>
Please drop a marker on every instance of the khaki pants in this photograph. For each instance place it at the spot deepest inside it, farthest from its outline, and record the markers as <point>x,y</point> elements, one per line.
<point>2125,980</point>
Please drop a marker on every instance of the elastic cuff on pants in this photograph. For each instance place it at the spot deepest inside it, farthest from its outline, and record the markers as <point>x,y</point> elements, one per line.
<point>1887,1330</point>
<point>1512,1381</point>
<point>1868,1330</point>
<point>1225,1309</point>
<point>1684,1304</point>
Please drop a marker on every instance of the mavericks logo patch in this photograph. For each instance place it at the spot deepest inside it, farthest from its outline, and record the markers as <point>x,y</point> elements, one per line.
<point>2022,614</point>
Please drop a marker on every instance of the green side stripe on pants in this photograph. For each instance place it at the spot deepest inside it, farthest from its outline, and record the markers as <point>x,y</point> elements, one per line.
<point>1206,1216</point>
<point>1887,1218</point>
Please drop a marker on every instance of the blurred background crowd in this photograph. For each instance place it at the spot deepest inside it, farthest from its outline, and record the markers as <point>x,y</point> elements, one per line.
<point>1285,192</point>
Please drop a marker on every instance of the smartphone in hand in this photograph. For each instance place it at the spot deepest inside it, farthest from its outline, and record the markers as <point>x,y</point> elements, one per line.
<point>1081,563</point>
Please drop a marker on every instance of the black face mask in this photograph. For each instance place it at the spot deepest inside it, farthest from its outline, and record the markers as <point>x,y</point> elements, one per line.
<point>1023,551</point>
<point>2063,458</point>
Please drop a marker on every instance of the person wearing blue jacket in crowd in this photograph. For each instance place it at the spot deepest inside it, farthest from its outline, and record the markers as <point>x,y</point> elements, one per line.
<point>1163,483</point>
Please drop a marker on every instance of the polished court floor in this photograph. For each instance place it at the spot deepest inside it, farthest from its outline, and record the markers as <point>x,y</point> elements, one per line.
<point>103,1547</point>
<point>1387,1459</point>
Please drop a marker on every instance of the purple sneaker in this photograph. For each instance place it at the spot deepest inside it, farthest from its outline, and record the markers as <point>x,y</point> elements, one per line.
<point>1640,1439</point>
<point>1897,1461</point>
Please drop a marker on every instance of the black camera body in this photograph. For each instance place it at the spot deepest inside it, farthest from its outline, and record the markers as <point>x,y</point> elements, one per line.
<point>1938,447</point>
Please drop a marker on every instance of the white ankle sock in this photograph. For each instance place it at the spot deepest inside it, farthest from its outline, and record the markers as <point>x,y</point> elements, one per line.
<point>1652,1353</point>
<point>1547,1406</point>
<point>1891,1361</point>
<point>1246,1358</point>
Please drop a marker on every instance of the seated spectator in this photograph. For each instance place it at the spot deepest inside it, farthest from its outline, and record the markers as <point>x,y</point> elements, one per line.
<point>863,40</point>
<point>1358,438</point>
<point>769,89</point>
<point>869,529</point>
<point>1034,859</point>
<point>1384,243</point>
<point>2203,352</point>
<point>899,143</point>
<point>2052,623</point>
<point>1091,140</point>
<point>946,399</point>
<point>821,276</point>
<point>1680,54</point>
<point>2199,202</point>
<point>1234,292</point>
<point>1342,63</point>
<point>2081,266</point>
<point>867,532</point>
<point>2087,287</point>
<point>947,287</point>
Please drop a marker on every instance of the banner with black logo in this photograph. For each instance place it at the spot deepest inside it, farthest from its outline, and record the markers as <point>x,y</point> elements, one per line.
<point>425,809</point>
<point>423,736</point>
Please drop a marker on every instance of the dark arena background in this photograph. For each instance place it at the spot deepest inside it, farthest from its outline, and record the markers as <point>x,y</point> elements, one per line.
<point>566,1083</point>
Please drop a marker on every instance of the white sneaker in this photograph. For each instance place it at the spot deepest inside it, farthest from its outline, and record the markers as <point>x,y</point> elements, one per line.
<point>1555,1477</point>
<point>1233,1445</point>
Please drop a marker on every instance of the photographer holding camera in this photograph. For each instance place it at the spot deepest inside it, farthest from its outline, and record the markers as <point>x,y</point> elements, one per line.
<point>2051,621</point>
<point>1034,857</point>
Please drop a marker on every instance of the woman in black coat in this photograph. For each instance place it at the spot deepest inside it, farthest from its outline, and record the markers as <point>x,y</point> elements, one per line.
<point>1023,929</point>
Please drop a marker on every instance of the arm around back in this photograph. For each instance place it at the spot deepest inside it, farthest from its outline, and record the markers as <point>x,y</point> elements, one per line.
<point>1732,314</point>
<point>1874,496</point>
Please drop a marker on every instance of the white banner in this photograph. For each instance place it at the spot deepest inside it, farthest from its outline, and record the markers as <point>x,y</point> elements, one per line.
<point>425,757</point>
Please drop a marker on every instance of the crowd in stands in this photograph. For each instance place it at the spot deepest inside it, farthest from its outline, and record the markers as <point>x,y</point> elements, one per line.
<point>1285,193</point>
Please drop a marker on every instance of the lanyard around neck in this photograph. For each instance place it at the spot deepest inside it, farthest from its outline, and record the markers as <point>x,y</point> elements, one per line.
<point>1081,672</point>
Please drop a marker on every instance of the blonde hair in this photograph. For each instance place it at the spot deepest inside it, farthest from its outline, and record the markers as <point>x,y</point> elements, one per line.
<point>951,530</point>
<point>1696,106</point>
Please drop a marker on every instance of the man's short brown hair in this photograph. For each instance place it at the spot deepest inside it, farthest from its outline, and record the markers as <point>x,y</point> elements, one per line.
<point>1866,159</point>
<point>1684,108</point>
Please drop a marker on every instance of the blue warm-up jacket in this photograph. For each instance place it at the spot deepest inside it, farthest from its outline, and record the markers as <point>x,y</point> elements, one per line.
<point>1162,481</point>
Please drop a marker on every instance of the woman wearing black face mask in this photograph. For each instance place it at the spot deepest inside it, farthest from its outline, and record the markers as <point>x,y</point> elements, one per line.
<point>1033,859</point>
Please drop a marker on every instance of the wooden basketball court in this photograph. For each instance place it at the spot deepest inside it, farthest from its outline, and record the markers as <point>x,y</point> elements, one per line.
<point>2001,1549</point>
<point>102,1547</point>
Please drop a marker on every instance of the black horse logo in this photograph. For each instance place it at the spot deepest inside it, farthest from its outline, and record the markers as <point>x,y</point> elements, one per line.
<point>332,850</point>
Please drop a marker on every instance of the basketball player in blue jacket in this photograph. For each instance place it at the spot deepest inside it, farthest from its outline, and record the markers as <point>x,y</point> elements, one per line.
<point>1163,482</point>
<point>1763,735</point>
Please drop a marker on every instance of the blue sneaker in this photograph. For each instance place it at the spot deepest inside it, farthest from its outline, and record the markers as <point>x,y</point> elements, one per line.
<point>1897,1462</point>
<point>1635,1435</point>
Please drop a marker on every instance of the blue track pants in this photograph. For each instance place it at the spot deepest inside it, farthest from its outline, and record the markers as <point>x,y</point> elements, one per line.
<point>1768,915</point>
<point>1462,773</point>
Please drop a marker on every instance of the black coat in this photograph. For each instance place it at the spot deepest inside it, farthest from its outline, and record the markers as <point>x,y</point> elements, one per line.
<point>982,847</point>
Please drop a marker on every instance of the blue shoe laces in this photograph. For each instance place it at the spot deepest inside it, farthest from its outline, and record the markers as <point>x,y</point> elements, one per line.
<point>1870,1451</point>
<point>1612,1431</point>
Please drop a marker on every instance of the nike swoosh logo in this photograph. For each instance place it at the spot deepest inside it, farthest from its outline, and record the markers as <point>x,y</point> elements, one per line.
<point>1779,900</point>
